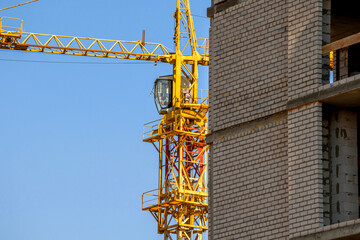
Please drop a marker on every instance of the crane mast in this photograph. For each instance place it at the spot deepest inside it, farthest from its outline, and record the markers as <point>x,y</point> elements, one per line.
<point>179,203</point>
<point>181,209</point>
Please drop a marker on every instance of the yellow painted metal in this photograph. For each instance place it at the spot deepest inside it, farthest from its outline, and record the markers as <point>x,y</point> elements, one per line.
<point>11,33</point>
<point>18,5</point>
<point>92,47</point>
<point>331,60</point>
<point>179,204</point>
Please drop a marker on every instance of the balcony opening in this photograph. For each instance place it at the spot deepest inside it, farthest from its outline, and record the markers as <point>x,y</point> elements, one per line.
<point>341,24</point>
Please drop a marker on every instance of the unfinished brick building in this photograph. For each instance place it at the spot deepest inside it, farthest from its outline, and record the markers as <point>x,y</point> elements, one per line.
<point>284,119</point>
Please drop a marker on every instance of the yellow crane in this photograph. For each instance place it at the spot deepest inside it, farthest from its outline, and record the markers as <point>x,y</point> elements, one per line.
<point>179,203</point>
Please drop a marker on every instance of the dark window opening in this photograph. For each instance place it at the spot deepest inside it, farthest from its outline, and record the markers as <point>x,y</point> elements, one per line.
<point>345,18</point>
<point>354,60</point>
<point>358,156</point>
<point>341,19</point>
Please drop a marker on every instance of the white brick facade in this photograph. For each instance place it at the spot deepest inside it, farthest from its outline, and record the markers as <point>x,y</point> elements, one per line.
<point>267,160</point>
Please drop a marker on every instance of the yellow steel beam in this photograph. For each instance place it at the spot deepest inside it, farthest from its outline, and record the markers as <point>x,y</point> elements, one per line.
<point>81,46</point>
<point>18,5</point>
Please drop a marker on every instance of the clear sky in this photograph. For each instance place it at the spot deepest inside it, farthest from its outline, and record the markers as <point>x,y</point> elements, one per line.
<point>72,162</point>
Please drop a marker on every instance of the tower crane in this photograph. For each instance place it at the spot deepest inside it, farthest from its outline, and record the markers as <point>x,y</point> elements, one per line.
<point>179,203</point>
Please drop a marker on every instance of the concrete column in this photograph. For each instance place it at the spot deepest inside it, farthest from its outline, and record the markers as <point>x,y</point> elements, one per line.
<point>326,168</point>
<point>341,66</point>
<point>344,176</point>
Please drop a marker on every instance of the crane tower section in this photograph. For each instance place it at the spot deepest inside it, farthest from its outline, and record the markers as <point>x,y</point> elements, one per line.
<point>179,203</point>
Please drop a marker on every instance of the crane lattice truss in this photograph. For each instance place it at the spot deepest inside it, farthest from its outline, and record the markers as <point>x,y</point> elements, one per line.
<point>179,204</point>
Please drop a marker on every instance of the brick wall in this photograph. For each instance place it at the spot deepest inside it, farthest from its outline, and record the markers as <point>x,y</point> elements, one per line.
<point>266,176</point>
<point>344,156</point>
<point>341,64</point>
<point>248,62</point>
<point>304,40</point>
<point>327,167</point>
<point>326,28</point>
<point>305,169</point>
<point>248,81</point>
<point>250,198</point>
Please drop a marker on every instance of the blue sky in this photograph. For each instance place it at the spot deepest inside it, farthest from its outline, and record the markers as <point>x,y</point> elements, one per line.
<point>72,163</point>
